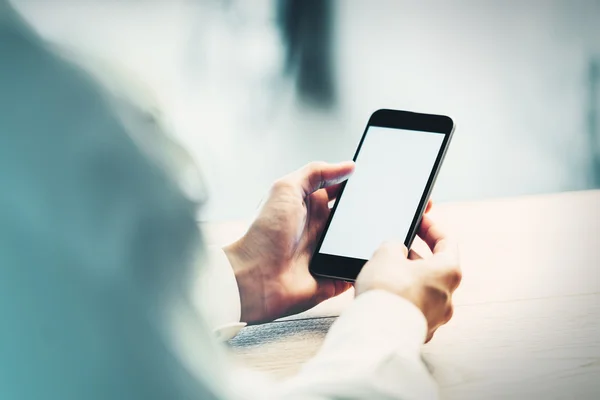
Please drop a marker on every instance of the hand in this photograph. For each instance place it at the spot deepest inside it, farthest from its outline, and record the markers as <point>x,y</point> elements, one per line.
<point>271,260</point>
<point>426,282</point>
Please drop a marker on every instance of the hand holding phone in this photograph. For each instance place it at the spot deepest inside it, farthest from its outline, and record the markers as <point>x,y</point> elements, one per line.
<point>397,161</point>
<point>427,282</point>
<point>270,261</point>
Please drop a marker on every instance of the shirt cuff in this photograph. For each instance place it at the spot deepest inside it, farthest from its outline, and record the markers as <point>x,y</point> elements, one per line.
<point>217,296</point>
<point>380,320</point>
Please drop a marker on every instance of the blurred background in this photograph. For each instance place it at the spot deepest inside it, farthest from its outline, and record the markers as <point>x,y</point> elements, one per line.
<point>256,88</point>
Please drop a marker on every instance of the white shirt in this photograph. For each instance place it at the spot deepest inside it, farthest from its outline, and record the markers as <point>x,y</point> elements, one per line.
<point>372,351</point>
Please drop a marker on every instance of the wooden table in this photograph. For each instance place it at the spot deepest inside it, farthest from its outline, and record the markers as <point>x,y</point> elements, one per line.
<point>527,321</point>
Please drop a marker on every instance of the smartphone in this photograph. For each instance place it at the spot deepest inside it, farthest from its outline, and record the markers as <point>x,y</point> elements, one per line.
<point>397,162</point>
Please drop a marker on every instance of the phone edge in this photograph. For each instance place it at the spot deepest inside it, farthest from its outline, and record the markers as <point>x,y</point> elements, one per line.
<point>413,232</point>
<point>429,190</point>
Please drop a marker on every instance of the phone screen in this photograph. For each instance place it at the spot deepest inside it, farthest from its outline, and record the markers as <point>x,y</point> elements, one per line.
<point>382,197</point>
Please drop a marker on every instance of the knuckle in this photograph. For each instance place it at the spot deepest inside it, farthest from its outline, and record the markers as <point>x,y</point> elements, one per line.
<point>282,185</point>
<point>449,272</point>
<point>315,174</point>
<point>454,277</point>
<point>449,313</point>
<point>315,165</point>
<point>313,169</point>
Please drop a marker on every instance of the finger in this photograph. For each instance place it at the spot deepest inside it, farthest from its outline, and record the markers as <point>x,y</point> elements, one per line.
<point>318,213</point>
<point>342,286</point>
<point>318,175</point>
<point>449,314</point>
<point>333,191</point>
<point>394,248</point>
<point>328,288</point>
<point>428,206</point>
<point>447,265</point>
<point>446,318</point>
<point>430,335</point>
<point>413,255</point>
<point>452,276</point>
<point>432,235</point>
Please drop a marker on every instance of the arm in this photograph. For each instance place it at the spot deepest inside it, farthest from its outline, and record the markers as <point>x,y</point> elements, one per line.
<point>369,354</point>
<point>372,350</point>
<point>216,294</point>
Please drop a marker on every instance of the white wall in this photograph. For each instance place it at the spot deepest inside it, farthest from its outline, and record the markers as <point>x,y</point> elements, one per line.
<point>511,73</point>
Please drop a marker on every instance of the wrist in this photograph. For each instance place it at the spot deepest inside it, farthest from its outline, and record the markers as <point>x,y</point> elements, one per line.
<point>410,291</point>
<point>249,280</point>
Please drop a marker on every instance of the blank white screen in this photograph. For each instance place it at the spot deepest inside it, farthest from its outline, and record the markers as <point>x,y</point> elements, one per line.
<point>382,197</point>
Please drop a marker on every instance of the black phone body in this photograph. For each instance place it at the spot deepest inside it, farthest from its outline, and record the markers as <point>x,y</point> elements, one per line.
<point>397,162</point>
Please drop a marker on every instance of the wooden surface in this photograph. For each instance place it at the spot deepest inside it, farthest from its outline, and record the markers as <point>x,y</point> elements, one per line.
<point>527,321</point>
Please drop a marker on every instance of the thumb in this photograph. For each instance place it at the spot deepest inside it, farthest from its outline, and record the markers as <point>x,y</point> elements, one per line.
<point>319,175</point>
<point>394,248</point>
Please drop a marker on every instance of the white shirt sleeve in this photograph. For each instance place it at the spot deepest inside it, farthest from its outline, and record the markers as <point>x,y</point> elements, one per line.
<point>371,352</point>
<point>217,296</point>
